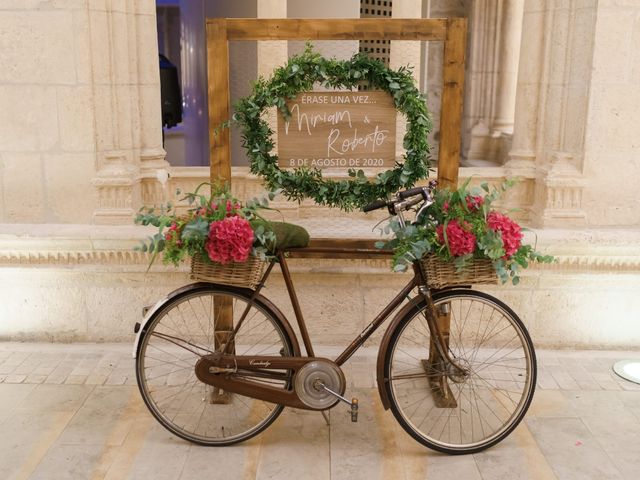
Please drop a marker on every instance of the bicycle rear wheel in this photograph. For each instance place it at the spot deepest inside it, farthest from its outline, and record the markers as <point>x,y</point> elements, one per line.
<point>459,414</point>
<point>182,331</point>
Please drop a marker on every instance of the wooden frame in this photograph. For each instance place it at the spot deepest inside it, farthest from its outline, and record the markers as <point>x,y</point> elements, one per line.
<point>451,31</point>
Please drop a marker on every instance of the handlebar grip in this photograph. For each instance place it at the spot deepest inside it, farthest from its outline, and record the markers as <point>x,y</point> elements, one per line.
<point>412,192</point>
<point>374,205</point>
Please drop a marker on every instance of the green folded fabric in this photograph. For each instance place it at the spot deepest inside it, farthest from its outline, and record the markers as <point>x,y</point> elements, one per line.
<point>288,235</point>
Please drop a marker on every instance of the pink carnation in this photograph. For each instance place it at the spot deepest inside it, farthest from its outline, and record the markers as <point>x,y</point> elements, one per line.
<point>460,240</point>
<point>510,231</point>
<point>230,240</point>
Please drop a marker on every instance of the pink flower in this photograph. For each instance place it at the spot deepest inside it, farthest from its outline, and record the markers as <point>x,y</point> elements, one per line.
<point>460,240</point>
<point>173,229</point>
<point>230,240</point>
<point>510,231</point>
<point>474,202</point>
<point>445,207</point>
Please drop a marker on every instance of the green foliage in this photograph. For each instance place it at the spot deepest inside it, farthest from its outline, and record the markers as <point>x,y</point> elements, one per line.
<point>299,75</point>
<point>181,236</point>
<point>470,208</point>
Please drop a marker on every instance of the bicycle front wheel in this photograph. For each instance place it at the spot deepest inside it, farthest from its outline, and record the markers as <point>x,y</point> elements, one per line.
<point>461,413</point>
<point>189,326</point>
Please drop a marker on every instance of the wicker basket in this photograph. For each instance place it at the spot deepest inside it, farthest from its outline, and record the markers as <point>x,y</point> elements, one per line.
<point>442,274</point>
<point>246,274</point>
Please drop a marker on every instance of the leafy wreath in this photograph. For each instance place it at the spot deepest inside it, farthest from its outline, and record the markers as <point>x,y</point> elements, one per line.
<point>299,75</point>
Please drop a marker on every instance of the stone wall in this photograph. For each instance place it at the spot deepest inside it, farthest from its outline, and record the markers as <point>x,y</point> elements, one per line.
<point>79,109</point>
<point>80,151</point>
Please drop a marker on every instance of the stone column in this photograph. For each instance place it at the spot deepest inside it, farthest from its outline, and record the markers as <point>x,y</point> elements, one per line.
<point>113,30</point>
<point>154,169</point>
<point>509,54</point>
<point>495,27</point>
<point>551,113</point>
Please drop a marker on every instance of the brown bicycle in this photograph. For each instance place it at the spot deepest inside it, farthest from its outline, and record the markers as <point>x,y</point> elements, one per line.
<point>217,364</point>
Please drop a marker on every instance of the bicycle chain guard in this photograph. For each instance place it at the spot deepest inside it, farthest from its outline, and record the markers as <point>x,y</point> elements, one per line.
<point>302,378</point>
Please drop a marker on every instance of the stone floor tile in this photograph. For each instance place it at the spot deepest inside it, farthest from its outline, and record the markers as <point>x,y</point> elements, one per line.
<point>55,398</point>
<point>16,358</point>
<point>585,403</point>
<point>94,379</point>
<point>27,367</point>
<point>546,381</point>
<point>26,440</point>
<point>35,378</point>
<point>68,462</point>
<point>618,432</point>
<point>517,456</point>
<point>357,449</point>
<point>606,381</point>
<point>75,379</point>
<point>571,449</point>
<point>158,455</point>
<point>7,368</point>
<point>15,378</point>
<point>105,417</point>
<point>549,360</point>
<point>296,440</point>
<point>11,396</point>
<point>224,463</point>
<point>550,403</point>
<point>564,380</point>
<point>449,467</point>
<point>115,380</point>
<point>587,384</point>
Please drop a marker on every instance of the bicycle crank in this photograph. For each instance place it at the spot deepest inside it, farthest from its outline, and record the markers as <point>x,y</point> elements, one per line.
<point>353,403</point>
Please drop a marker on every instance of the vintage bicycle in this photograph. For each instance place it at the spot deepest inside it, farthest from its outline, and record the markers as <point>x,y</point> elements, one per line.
<point>216,364</point>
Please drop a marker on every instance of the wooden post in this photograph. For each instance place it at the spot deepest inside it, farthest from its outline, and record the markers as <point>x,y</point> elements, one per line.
<point>219,160</point>
<point>448,166</point>
<point>452,98</point>
<point>219,97</point>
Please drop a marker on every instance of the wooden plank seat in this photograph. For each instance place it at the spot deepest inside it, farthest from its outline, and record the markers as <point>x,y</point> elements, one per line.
<point>340,248</point>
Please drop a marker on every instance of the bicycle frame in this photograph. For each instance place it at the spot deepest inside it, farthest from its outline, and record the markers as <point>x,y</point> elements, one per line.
<point>211,366</point>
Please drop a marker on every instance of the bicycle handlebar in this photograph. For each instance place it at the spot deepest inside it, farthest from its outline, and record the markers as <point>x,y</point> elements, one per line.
<point>412,192</point>
<point>374,205</point>
<point>396,202</point>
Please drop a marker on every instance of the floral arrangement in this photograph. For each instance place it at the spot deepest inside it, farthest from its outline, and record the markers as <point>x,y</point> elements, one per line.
<point>460,226</point>
<point>216,227</point>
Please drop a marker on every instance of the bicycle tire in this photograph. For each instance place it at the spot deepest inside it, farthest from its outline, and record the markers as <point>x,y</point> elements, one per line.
<point>475,340</point>
<point>174,339</point>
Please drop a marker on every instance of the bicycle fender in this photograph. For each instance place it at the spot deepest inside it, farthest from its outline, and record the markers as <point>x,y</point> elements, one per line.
<point>142,326</point>
<point>384,345</point>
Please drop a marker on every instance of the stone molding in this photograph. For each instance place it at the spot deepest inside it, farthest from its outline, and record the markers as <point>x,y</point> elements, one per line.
<point>138,261</point>
<point>602,251</point>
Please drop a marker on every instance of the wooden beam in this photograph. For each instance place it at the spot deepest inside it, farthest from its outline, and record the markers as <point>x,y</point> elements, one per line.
<point>336,29</point>
<point>218,74</point>
<point>452,97</point>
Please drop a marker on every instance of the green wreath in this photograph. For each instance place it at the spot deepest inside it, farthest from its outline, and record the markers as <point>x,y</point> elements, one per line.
<point>299,75</point>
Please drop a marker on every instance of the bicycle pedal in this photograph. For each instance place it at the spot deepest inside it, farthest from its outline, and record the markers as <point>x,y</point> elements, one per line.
<point>354,409</point>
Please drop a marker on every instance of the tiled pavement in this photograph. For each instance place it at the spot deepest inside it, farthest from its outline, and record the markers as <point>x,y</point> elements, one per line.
<point>73,412</point>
